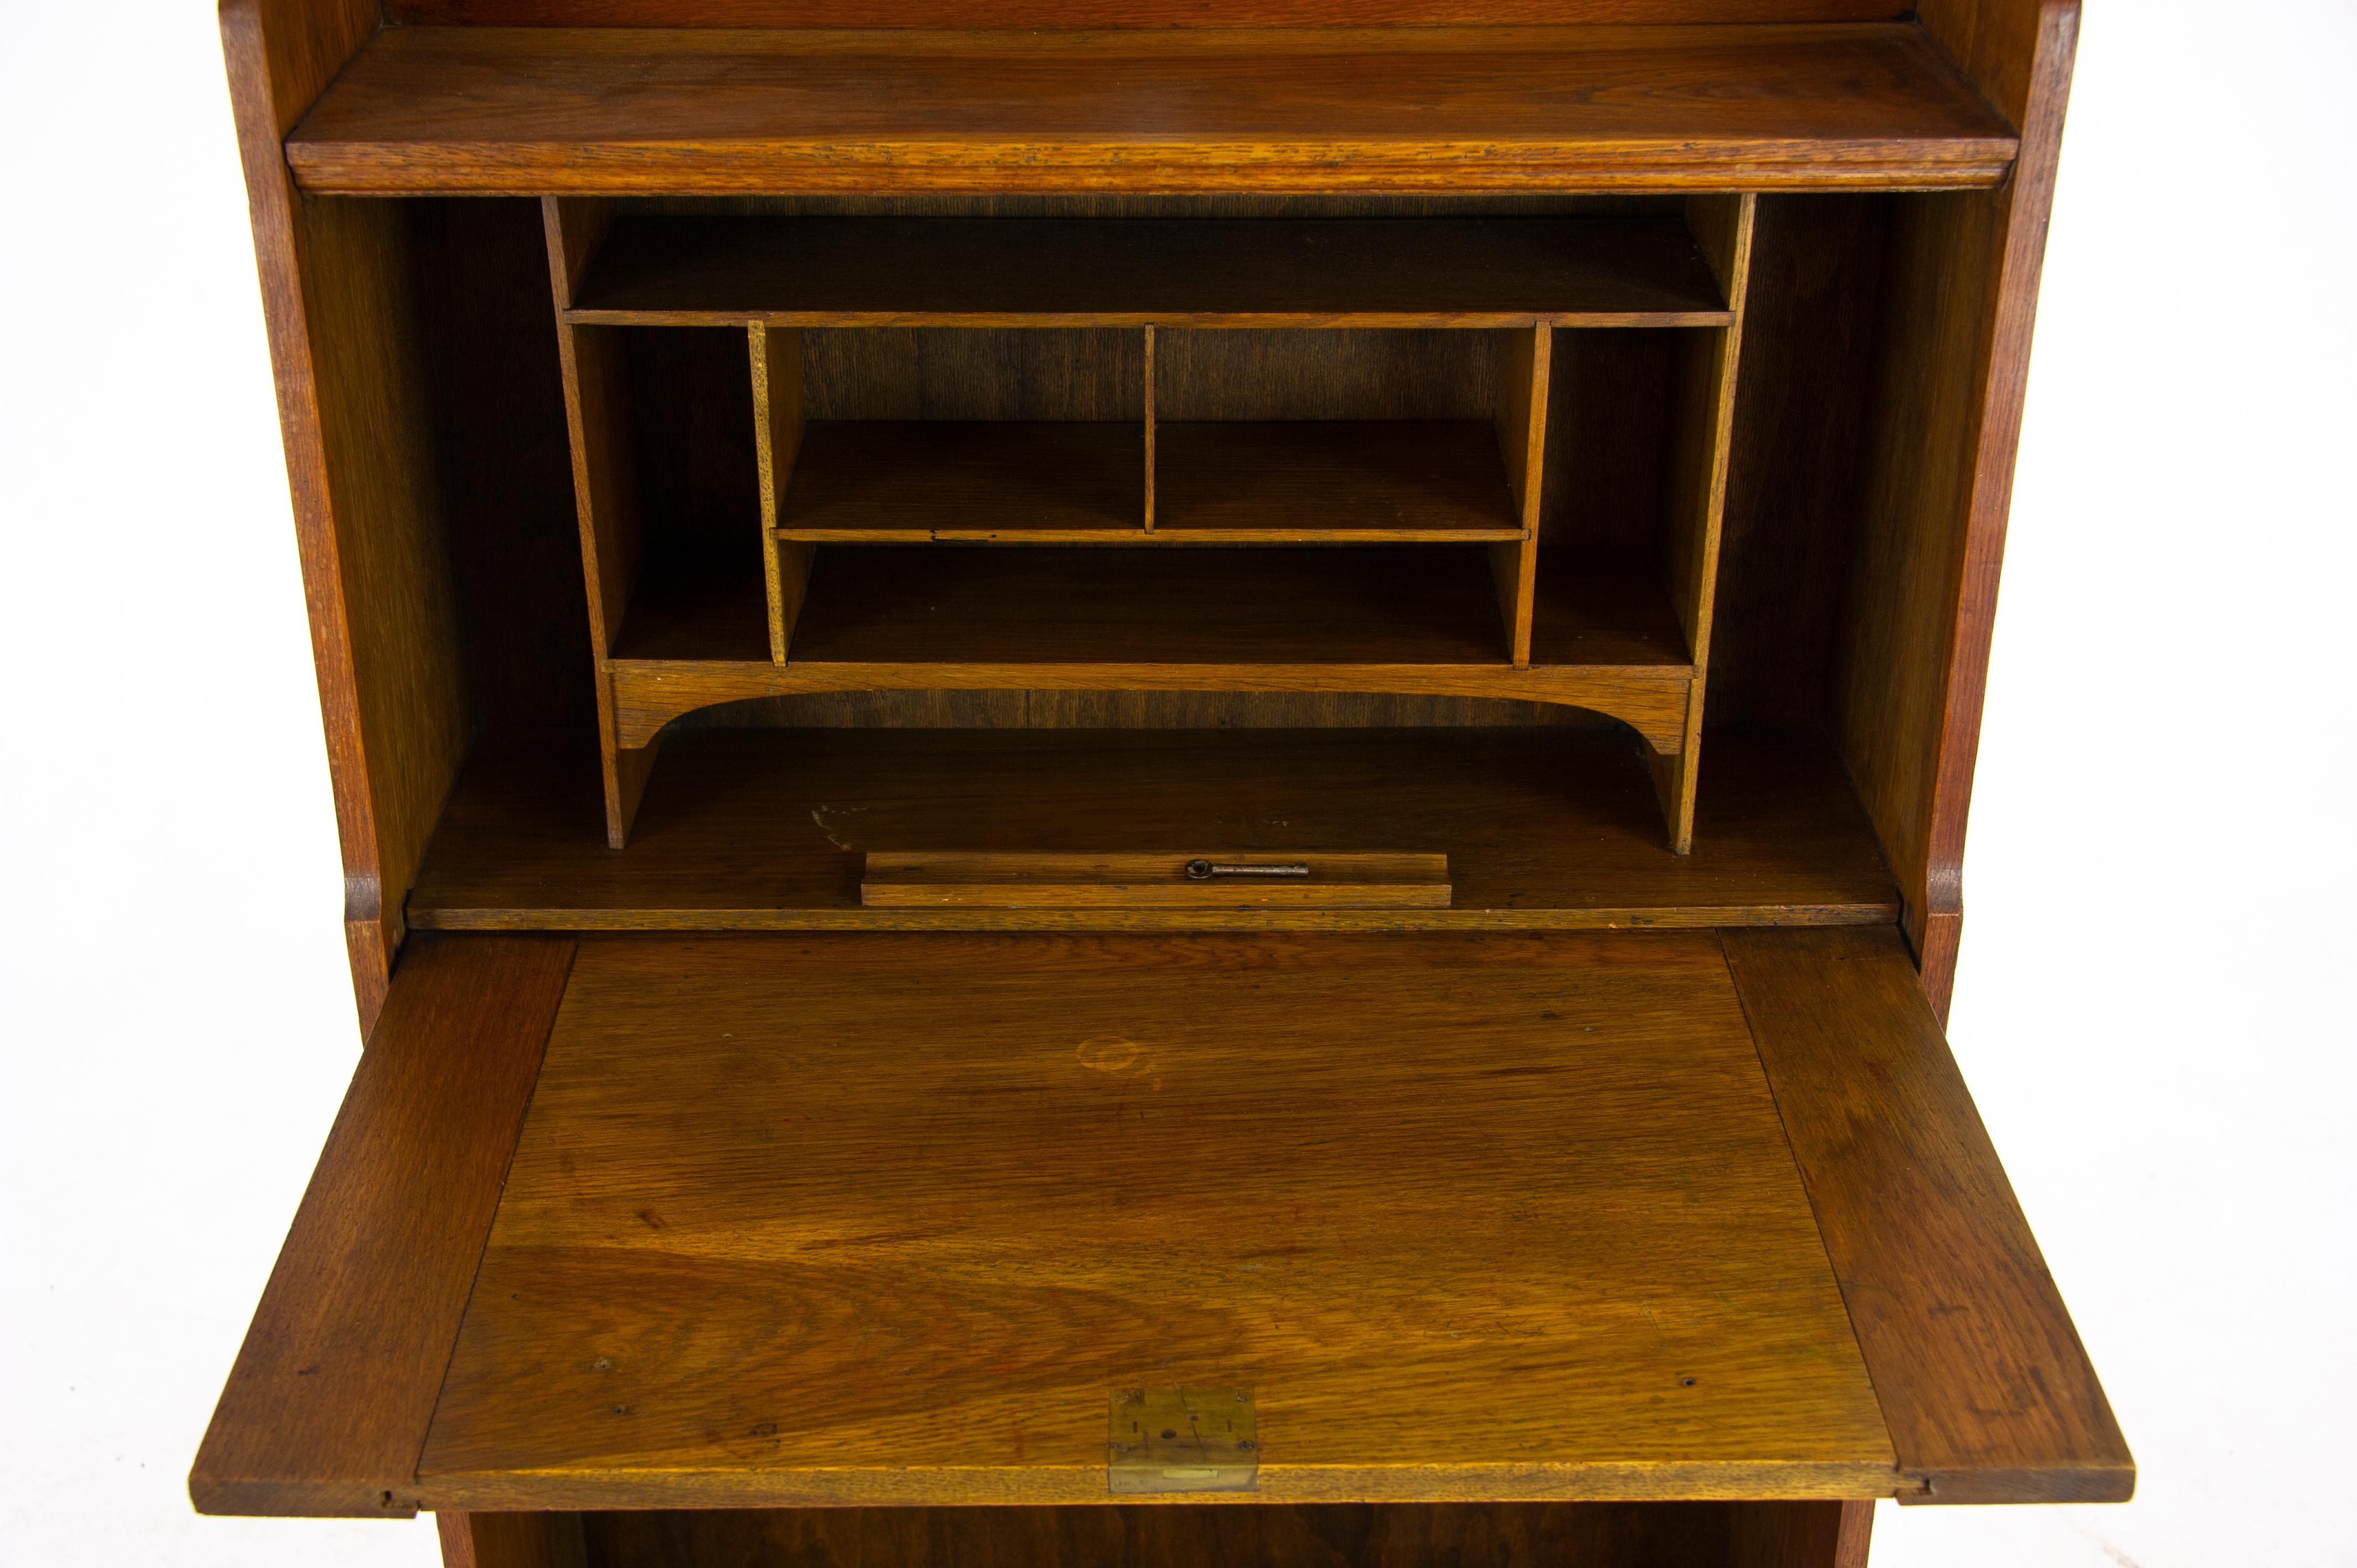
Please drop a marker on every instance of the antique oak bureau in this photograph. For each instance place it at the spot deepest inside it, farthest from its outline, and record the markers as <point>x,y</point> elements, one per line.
<point>1153,781</point>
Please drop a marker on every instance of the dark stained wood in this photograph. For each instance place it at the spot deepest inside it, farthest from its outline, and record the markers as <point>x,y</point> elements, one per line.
<point>326,1407</point>
<point>961,1187</point>
<point>1111,13</point>
<point>1245,373</point>
<point>766,828</point>
<point>1798,1535</point>
<point>1287,482</point>
<point>347,352</point>
<point>1376,605</point>
<point>1988,1393</point>
<point>511,1540</point>
<point>990,272</point>
<point>1007,374</point>
<point>1808,324</point>
<point>1960,303</point>
<point>495,111</point>
<point>1311,1535</point>
<point>974,481</point>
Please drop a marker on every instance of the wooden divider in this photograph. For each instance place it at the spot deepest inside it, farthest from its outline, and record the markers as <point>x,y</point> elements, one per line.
<point>605,484</point>
<point>1522,418</point>
<point>1703,428</point>
<point>777,354</point>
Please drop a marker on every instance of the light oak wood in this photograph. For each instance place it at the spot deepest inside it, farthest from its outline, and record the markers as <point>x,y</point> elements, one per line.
<point>927,879</point>
<point>959,1189</point>
<point>326,1407</point>
<point>1987,1392</point>
<point>764,829</point>
<point>574,112</point>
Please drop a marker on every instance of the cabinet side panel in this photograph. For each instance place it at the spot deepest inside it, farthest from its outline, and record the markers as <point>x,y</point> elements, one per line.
<point>1960,301</point>
<point>335,286</point>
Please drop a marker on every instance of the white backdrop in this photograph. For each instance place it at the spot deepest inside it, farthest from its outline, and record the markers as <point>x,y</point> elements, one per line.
<point>2152,1008</point>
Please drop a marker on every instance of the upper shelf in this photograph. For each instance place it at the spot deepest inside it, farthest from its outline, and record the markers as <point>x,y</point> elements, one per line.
<point>619,111</point>
<point>989,272</point>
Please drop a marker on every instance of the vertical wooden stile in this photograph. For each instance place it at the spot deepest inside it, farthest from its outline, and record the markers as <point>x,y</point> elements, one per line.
<point>1704,415</point>
<point>777,356</point>
<point>1149,428</point>
<point>1521,419</point>
<point>604,482</point>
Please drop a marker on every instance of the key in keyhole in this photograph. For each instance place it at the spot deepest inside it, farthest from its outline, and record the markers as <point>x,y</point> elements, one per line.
<point>1204,870</point>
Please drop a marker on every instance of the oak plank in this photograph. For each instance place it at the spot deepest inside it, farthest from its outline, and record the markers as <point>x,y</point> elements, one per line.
<point>326,1409</point>
<point>585,111</point>
<point>1988,1392</point>
<point>1422,1193</point>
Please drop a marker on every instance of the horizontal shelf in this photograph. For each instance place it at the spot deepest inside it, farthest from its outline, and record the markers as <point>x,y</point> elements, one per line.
<point>571,111</point>
<point>766,829</point>
<point>996,272</point>
<point>968,481</point>
<point>1294,482</point>
<point>1378,618</point>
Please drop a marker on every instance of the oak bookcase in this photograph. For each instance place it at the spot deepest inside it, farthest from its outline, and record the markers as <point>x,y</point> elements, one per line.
<point>1126,782</point>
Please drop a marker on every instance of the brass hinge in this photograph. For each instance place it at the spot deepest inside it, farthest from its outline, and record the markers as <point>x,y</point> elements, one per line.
<point>1182,1439</point>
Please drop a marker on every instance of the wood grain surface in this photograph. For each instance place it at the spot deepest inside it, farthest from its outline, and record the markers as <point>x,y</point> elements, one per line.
<point>765,827</point>
<point>569,110</point>
<point>991,271</point>
<point>326,1407</point>
<point>1989,1395</point>
<point>341,303</point>
<point>1424,1195</point>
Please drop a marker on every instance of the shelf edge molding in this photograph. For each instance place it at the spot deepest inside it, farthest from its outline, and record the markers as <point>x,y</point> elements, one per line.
<point>326,1410</point>
<point>1987,1391</point>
